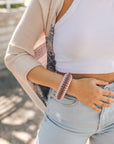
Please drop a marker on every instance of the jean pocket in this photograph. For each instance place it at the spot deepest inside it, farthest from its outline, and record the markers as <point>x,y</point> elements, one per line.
<point>68,100</point>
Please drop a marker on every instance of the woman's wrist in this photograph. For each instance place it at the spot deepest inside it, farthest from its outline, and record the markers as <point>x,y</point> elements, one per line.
<point>63,87</point>
<point>41,75</point>
<point>73,87</point>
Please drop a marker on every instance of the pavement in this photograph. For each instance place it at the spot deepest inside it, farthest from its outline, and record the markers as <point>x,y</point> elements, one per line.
<point>19,118</point>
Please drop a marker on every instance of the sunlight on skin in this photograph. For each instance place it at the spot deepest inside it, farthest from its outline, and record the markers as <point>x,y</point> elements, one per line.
<point>3,141</point>
<point>23,136</point>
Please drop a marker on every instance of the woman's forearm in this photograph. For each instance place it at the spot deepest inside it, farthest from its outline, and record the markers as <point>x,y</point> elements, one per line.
<point>43,76</point>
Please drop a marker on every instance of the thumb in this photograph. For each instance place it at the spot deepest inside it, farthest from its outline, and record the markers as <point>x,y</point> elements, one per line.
<point>101,82</point>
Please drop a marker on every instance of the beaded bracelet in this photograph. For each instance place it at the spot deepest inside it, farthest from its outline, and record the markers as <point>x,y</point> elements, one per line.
<point>64,85</point>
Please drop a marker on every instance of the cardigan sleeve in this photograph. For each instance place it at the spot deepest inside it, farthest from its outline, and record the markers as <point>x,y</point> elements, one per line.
<point>19,56</point>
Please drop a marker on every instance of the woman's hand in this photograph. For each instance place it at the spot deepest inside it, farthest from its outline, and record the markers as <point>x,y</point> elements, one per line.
<point>87,91</point>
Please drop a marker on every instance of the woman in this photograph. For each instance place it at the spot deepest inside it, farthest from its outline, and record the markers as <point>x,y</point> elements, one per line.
<point>79,40</point>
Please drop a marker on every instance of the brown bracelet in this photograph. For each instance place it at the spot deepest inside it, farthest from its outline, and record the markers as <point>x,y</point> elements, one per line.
<point>64,85</point>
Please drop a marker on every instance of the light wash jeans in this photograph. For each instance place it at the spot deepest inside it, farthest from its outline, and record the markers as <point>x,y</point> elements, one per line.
<point>70,121</point>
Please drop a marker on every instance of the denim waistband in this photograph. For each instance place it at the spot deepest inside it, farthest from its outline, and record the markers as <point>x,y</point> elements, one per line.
<point>109,87</point>
<point>69,113</point>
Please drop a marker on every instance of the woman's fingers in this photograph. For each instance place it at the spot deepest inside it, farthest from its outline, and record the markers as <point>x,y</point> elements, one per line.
<point>93,106</point>
<point>103,104</point>
<point>108,93</point>
<point>101,82</point>
<point>107,99</point>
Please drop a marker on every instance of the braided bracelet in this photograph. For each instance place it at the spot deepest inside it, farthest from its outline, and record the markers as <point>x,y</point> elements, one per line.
<point>64,85</point>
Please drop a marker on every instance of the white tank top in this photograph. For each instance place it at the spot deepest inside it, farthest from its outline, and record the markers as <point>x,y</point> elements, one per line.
<point>84,38</point>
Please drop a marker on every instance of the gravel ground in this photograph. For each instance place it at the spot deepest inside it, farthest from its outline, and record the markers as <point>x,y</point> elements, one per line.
<point>19,118</point>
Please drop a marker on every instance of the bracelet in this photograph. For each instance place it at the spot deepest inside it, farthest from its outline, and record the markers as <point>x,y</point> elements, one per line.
<point>64,85</point>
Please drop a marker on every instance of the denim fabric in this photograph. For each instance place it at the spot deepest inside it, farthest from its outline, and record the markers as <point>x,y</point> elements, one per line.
<point>70,121</point>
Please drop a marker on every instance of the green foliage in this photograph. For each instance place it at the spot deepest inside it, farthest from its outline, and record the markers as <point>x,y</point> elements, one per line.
<point>3,6</point>
<point>13,5</point>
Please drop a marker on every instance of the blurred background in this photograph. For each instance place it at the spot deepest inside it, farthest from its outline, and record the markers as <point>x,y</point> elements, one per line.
<point>19,118</point>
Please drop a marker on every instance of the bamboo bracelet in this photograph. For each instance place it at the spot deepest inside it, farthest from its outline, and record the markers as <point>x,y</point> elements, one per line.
<point>64,85</point>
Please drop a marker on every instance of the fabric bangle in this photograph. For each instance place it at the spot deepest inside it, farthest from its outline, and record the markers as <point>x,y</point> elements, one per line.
<point>64,85</point>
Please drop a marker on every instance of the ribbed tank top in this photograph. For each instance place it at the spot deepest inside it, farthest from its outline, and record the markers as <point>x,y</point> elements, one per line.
<point>84,38</point>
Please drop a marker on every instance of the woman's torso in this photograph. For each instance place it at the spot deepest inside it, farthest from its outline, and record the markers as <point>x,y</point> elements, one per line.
<point>103,76</point>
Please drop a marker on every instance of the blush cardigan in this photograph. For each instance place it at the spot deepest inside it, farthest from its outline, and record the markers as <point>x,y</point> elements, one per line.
<point>19,58</point>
